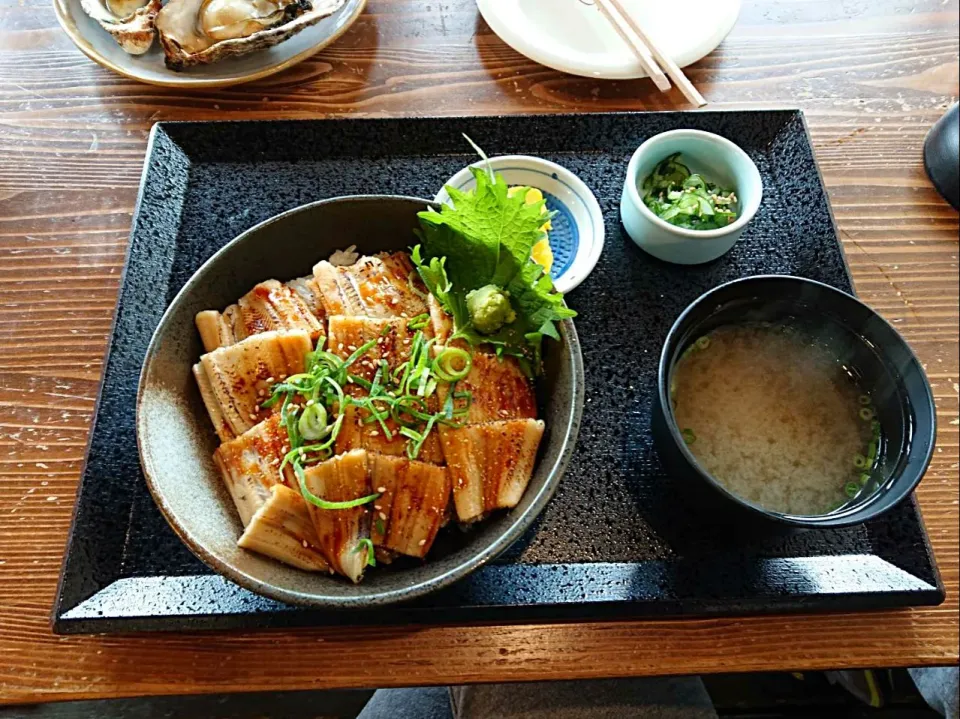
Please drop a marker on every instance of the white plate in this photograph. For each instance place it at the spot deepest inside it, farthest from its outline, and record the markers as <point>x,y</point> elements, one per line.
<point>577,235</point>
<point>572,36</point>
<point>100,47</point>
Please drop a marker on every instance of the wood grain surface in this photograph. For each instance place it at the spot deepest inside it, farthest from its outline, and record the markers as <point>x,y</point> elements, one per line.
<point>872,75</point>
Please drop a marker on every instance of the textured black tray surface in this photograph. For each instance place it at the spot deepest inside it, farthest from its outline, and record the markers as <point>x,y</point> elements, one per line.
<point>617,539</point>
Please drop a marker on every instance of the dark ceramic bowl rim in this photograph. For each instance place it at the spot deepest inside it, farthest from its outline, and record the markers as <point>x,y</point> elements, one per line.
<point>519,524</point>
<point>854,515</point>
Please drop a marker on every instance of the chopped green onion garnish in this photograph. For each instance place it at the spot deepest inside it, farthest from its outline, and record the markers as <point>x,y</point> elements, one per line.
<point>866,414</point>
<point>359,352</point>
<point>366,544</point>
<point>322,503</point>
<point>688,436</point>
<point>452,364</point>
<point>313,421</point>
<point>864,399</point>
<point>852,489</point>
<point>703,343</point>
<point>860,462</point>
<point>864,479</point>
<point>411,434</point>
<point>399,395</point>
<point>419,322</point>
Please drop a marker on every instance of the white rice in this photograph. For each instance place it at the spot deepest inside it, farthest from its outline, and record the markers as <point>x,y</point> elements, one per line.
<point>774,417</point>
<point>344,258</point>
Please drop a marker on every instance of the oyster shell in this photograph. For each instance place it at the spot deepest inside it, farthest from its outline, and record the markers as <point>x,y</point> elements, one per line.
<point>130,22</point>
<point>197,32</point>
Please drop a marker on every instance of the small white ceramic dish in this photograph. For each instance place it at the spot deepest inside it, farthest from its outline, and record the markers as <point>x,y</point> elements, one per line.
<point>577,233</point>
<point>572,35</point>
<point>97,44</point>
<point>719,161</point>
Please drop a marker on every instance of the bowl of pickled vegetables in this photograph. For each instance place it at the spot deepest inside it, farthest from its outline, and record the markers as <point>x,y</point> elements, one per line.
<point>689,195</point>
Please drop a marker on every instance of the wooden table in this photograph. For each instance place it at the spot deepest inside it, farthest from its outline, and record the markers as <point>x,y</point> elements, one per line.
<point>872,77</point>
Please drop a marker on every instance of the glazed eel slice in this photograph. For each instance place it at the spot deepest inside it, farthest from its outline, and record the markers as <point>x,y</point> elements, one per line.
<point>413,503</point>
<point>385,285</point>
<point>283,530</point>
<point>269,306</point>
<point>340,531</point>
<point>393,342</point>
<point>235,380</point>
<point>490,464</point>
<point>275,516</point>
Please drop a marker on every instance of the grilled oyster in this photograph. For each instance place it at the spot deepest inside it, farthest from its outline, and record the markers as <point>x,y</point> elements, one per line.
<point>197,32</point>
<point>130,22</point>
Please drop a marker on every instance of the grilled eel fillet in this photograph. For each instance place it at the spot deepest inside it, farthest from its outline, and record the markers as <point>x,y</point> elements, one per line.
<point>491,458</point>
<point>412,506</point>
<point>340,479</point>
<point>490,464</point>
<point>267,307</point>
<point>386,285</point>
<point>499,389</point>
<point>250,463</point>
<point>283,530</point>
<point>441,323</point>
<point>393,345</point>
<point>235,380</point>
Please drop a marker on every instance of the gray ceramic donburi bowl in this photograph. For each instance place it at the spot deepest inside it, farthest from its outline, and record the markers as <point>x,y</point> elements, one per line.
<point>176,439</point>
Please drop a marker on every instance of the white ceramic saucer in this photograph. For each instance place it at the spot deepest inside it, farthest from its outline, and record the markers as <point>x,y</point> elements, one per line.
<point>572,35</point>
<point>577,233</point>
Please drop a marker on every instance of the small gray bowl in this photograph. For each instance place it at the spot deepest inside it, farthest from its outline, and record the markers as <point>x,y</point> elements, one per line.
<point>176,439</point>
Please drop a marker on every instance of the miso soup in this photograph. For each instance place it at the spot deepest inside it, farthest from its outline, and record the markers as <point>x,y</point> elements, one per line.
<point>774,416</point>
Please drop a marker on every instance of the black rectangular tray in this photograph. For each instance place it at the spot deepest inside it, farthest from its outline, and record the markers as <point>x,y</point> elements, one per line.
<point>617,539</point>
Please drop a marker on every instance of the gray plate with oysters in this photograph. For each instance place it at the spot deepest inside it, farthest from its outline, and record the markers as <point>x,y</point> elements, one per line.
<point>203,43</point>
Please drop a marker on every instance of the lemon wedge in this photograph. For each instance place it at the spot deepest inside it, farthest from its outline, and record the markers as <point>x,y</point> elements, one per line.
<point>541,252</point>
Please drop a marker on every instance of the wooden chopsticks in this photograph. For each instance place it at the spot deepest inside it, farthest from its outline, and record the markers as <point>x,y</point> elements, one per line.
<point>651,57</point>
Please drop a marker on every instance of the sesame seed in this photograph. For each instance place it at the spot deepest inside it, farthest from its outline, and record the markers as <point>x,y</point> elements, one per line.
<point>283,376</point>
<point>374,433</point>
<point>268,380</point>
<point>352,348</point>
<point>377,507</point>
<point>383,516</point>
<point>422,542</point>
<point>310,402</point>
<point>305,543</point>
<point>381,489</point>
<point>340,346</point>
<point>404,314</point>
<point>253,416</point>
<point>406,342</point>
